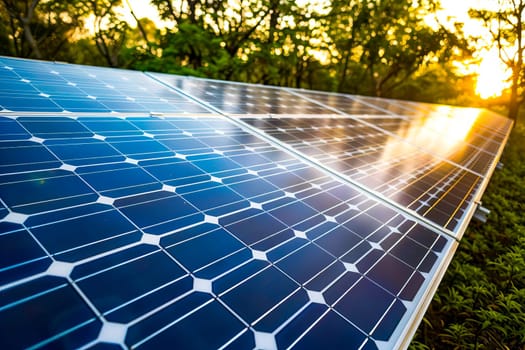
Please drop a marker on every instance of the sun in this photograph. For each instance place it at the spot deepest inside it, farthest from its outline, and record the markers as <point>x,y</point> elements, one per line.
<point>493,76</point>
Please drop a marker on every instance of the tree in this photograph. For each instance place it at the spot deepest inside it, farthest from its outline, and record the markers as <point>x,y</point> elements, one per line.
<point>384,42</point>
<point>39,28</point>
<point>507,28</point>
<point>284,49</point>
<point>242,39</point>
<point>110,31</point>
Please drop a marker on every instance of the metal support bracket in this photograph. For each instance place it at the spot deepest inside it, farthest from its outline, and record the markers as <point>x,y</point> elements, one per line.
<point>481,214</point>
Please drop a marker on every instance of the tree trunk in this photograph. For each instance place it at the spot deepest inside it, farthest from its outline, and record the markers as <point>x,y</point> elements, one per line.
<point>30,39</point>
<point>514,104</point>
<point>342,79</point>
<point>139,25</point>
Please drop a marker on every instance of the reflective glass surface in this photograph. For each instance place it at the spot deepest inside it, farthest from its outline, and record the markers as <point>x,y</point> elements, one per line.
<point>395,167</point>
<point>236,98</point>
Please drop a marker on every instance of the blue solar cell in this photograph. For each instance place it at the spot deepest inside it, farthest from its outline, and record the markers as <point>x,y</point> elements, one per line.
<point>209,327</point>
<point>31,103</point>
<point>305,263</point>
<point>25,156</point>
<point>24,249</point>
<point>119,180</point>
<point>338,241</point>
<point>252,299</point>
<point>166,316</point>
<point>253,187</point>
<point>79,152</point>
<point>139,147</point>
<point>159,212</point>
<point>50,127</point>
<point>83,233</point>
<point>391,274</point>
<point>120,284</point>
<point>343,334</point>
<point>46,299</point>
<point>355,305</point>
<point>363,225</point>
<point>387,325</point>
<point>256,227</point>
<point>183,143</point>
<point>11,130</point>
<point>409,252</point>
<point>213,197</point>
<point>123,106</point>
<point>214,245</point>
<point>107,126</point>
<point>412,287</point>
<point>20,256</point>
<point>175,172</point>
<point>293,213</point>
<point>35,192</point>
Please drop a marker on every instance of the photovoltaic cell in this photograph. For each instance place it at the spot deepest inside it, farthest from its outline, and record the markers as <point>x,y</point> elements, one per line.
<point>132,215</point>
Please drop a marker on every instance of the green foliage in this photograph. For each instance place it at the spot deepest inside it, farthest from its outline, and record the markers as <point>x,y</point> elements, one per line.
<point>480,303</point>
<point>378,47</point>
<point>39,28</point>
<point>384,43</point>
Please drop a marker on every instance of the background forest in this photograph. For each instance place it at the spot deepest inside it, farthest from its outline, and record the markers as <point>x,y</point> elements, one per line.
<point>390,48</point>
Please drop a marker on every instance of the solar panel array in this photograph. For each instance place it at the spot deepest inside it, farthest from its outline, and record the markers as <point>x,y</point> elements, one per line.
<point>143,210</point>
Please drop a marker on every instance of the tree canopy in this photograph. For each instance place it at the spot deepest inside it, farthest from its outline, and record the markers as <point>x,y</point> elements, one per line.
<point>373,47</point>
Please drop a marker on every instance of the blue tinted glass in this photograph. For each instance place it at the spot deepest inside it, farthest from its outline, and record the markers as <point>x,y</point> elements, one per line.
<point>121,285</point>
<point>77,232</point>
<point>37,192</point>
<point>58,303</point>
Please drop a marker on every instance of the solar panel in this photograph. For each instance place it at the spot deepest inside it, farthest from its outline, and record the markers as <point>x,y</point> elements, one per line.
<point>433,162</point>
<point>39,86</point>
<point>396,169</point>
<point>130,229</point>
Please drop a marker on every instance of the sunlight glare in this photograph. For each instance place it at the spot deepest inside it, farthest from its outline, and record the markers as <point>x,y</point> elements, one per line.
<point>442,133</point>
<point>142,9</point>
<point>492,76</point>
